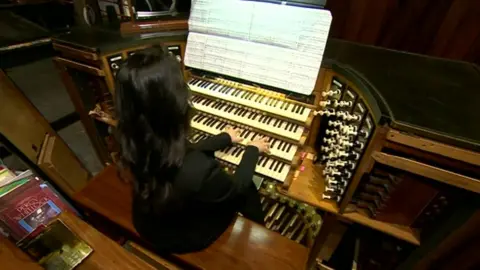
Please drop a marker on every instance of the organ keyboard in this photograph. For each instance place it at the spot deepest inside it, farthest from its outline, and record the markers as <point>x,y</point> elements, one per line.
<point>249,117</point>
<point>266,166</point>
<point>256,113</point>
<point>252,99</point>
<point>213,125</point>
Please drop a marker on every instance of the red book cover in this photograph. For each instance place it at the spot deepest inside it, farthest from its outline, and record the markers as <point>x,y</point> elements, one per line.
<point>29,206</point>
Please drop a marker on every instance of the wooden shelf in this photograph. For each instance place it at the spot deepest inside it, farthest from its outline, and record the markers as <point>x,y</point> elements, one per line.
<point>308,187</point>
<point>401,232</point>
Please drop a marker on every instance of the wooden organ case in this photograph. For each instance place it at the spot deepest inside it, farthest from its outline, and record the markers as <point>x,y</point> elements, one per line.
<point>387,149</point>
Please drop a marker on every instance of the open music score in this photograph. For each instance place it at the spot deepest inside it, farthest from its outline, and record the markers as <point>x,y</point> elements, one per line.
<point>276,45</point>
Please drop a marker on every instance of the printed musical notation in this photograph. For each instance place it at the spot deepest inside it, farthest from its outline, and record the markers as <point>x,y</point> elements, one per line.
<point>272,44</point>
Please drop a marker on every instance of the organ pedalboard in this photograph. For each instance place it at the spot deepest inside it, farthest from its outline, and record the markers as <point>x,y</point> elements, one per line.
<point>348,126</point>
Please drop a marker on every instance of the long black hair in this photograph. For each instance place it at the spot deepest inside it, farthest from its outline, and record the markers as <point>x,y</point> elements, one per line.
<point>153,112</point>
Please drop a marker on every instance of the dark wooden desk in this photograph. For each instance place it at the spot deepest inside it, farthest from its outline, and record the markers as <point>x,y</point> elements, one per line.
<point>245,244</point>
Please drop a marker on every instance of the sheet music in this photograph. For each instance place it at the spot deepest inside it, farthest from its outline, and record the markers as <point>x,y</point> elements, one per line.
<point>272,44</point>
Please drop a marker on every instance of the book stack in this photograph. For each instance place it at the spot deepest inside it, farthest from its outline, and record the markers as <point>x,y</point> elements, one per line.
<point>26,202</point>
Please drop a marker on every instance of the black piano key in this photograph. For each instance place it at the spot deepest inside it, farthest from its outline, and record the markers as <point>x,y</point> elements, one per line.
<point>235,150</point>
<point>270,140</point>
<point>287,126</point>
<point>195,98</point>
<point>244,113</point>
<point>264,162</point>
<point>261,118</point>
<point>295,130</point>
<point>229,90</point>
<point>212,123</point>
<point>203,84</point>
<point>218,125</point>
<point>277,166</point>
<point>260,160</point>
<point>272,164</point>
<point>284,147</point>
<point>196,117</point>
<point>265,119</point>
<point>299,109</point>
<point>280,124</point>
<point>281,167</point>
<point>274,142</point>
<point>207,123</point>
<point>203,120</point>
<point>291,127</point>
<point>280,145</point>
<point>302,110</point>
<point>289,147</point>
<point>276,122</point>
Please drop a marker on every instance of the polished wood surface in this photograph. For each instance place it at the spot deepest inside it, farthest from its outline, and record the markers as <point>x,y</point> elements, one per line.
<point>75,52</point>
<point>434,147</point>
<point>20,121</point>
<point>428,171</point>
<point>85,68</point>
<point>308,185</point>
<point>447,28</point>
<point>87,122</point>
<point>153,26</point>
<point>150,257</point>
<point>12,258</point>
<point>106,253</point>
<point>62,166</point>
<point>245,244</point>
<point>401,232</point>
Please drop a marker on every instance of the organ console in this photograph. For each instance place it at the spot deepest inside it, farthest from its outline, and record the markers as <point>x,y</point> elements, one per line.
<point>386,140</point>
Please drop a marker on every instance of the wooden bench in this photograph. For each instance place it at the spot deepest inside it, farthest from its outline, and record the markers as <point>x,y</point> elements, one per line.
<point>244,245</point>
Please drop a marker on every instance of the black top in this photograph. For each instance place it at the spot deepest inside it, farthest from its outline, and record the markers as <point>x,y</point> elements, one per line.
<point>105,40</point>
<point>432,97</point>
<point>211,199</point>
<point>16,30</point>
